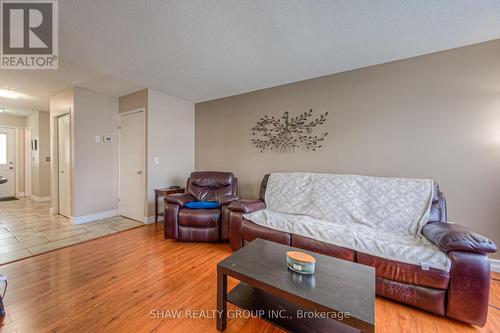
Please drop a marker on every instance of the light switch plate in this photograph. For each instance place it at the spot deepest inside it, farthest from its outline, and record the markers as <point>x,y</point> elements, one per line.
<point>157,160</point>
<point>97,139</point>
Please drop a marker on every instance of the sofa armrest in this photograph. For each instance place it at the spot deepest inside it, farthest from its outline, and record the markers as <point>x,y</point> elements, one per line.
<point>246,206</point>
<point>235,237</point>
<point>179,199</point>
<point>226,200</point>
<point>469,288</point>
<point>454,237</point>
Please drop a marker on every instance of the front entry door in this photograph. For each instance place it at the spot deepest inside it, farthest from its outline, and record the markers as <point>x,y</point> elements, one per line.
<point>7,162</point>
<point>131,180</point>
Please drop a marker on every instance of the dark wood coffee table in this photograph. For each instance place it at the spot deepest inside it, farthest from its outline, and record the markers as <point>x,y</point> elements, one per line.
<point>295,302</point>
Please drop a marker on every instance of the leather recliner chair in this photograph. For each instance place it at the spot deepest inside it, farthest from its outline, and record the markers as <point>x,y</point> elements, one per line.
<point>201,225</point>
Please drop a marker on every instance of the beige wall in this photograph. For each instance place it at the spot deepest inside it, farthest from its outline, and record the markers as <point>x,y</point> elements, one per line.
<point>12,121</point>
<point>134,101</point>
<point>32,124</point>
<point>171,139</point>
<point>38,122</point>
<point>44,152</point>
<point>95,164</point>
<point>435,116</point>
<point>20,124</point>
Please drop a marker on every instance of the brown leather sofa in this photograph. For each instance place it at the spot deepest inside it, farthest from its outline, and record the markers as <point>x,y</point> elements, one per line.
<point>201,225</point>
<point>462,293</point>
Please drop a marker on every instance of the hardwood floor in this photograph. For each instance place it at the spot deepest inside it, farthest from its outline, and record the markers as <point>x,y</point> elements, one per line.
<point>113,283</point>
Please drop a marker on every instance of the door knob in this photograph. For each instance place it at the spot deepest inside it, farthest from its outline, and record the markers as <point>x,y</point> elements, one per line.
<point>139,172</point>
<point>62,171</point>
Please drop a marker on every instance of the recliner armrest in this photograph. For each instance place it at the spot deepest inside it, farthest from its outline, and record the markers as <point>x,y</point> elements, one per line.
<point>226,200</point>
<point>454,237</point>
<point>246,206</point>
<point>179,199</point>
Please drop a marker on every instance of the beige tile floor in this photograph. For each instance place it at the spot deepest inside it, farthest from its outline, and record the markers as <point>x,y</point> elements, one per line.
<point>27,228</point>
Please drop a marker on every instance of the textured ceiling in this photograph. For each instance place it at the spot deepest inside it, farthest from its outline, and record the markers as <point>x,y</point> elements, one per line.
<point>206,49</point>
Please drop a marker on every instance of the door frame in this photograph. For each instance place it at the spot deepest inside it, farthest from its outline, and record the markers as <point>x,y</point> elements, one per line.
<point>16,159</point>
<point>55,162</point>
<point>144,216</point>
<point>57,168</point>
<point>28,156</point>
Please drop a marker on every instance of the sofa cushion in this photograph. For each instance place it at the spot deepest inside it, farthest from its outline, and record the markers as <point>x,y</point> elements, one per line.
<point>199,218</point>
<point>188,234</point>
<point>395,205</point>
<point>211,179</point>
<point>313,245</point>
<point>430,299</point>
<point>250,231</point>
<point>405,273</point>
<point>211,185</point>
<point>400,247</point>
<point>435,213</point>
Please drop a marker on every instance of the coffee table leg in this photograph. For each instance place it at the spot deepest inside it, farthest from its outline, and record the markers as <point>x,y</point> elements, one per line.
<point>221,301</point>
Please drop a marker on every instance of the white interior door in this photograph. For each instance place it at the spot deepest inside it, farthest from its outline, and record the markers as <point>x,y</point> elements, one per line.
<point>7,163</point>
<point>64,164</point>
<point>132,154</point>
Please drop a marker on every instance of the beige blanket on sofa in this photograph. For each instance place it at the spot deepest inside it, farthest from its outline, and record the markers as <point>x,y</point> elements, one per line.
<point>374,215</point>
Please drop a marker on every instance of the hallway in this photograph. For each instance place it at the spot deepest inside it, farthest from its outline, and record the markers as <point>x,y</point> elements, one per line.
<point>27,228</point>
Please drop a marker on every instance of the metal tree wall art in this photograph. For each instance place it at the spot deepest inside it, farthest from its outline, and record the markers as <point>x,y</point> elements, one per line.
<point>285,134</point>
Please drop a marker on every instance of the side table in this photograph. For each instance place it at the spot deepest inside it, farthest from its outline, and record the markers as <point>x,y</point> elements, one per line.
<point>164,192</point>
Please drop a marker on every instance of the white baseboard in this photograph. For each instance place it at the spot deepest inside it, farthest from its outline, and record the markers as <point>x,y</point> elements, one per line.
<point>40,199</point>
<point>93,217</point>
<point>151,219</point>
<point>495,265</point>
<point>143,219</point>
<point>20,194</point>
